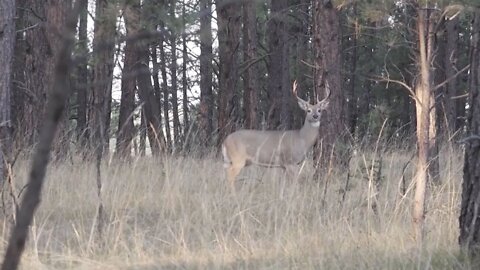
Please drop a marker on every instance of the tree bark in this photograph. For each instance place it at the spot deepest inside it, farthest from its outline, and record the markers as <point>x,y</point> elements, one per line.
<point>206,58</point>
<point>186,122</point>
<point>103,56</point>
<point>83,78</point>
<point>278,94</point>
<point>166,95</point>
<point>7,43</point>
<point>173,76</point>
<point>469,219</point>
<point>330,149</point>
<point>125,131</point>
<point>423,105</point>
<point>250,84</point>
<point>229,22</point>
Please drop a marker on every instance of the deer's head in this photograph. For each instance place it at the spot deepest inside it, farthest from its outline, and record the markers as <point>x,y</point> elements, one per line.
<point>314,112</point>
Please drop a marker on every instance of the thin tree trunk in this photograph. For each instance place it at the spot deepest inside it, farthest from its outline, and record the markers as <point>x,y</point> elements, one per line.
<point>166,95</point>
<point>82,85</point>
<point>450,61</point>
<point>173,77</point>
<point>186,122</point>
<point>206,58</point>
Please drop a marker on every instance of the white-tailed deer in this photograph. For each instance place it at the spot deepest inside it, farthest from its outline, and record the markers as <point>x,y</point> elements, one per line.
<point>285,149</point>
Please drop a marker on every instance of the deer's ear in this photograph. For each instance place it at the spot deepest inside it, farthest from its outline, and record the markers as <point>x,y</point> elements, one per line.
<point>302,104</point>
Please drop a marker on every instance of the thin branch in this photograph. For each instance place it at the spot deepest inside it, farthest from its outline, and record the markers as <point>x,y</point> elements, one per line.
<point>451,78</point>
<point>406,86</point>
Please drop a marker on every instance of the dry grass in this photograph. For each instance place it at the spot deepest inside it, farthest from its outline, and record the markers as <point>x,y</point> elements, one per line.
<point>179,213</point>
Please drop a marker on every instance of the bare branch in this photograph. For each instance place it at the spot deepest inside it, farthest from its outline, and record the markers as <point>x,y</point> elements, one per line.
<point>406,86</point>
<point>451,78</point>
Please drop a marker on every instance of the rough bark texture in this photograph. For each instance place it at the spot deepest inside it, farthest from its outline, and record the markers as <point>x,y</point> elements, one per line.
<point>330,149</point>
<point>205,116</point>
<point>469,215</point>
<point>450,63</point>
<point>57,100</point>
<point>279,95</point>
<point>103,57</point>
<point>82,82</point>
<point>7,45</point>
<point>229,22</point>
<point>126,127</point>
<point>250,80</point>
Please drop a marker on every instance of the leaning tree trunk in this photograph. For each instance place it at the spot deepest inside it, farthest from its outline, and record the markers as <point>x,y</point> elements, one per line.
<point>330,149</point>
<point>125,131</point>
<point>7,43</point>
<point>469,215</point>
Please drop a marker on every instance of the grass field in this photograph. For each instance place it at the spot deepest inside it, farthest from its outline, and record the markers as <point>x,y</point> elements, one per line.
<point>178,213</point>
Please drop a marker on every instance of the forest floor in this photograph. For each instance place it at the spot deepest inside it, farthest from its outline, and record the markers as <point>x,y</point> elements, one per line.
<point>179,213</point>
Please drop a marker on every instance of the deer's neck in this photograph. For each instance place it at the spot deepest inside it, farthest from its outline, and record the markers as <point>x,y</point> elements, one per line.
<point>309,133</point>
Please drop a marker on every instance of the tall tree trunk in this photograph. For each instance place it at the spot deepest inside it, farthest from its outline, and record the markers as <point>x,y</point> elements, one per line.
<point>326,42</point>
<point>103,57</point>
<point>186,122</point>
<point>450,63</point>
<point>166,95</point>
<point>229,22</point>
<point>57,16</point>
<point>19,95</point>
<point>125,131</point>
<point>82,85</point>
<point>173,77</point>
<point>7,43</point>
<point>302,48</point>
<point>469,216</point>
<point>278,94</point>
<point>352,114</point>
<point>206,58</point>
<point>423,94</point>
<point>250,80</point>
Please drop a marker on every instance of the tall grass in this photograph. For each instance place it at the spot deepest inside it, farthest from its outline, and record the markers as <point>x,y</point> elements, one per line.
<point>178,212</point>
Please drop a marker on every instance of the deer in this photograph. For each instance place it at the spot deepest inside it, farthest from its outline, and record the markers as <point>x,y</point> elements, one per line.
<point>274,148</point>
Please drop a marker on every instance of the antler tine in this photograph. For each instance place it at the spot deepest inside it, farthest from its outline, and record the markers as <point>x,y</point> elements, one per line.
<point>294,90</point>
<point>327,92</point>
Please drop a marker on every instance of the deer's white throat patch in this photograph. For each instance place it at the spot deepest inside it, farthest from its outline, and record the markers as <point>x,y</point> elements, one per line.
<point>315,124</point>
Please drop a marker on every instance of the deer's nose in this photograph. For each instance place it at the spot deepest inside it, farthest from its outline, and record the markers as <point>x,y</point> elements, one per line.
<point>315,116</point>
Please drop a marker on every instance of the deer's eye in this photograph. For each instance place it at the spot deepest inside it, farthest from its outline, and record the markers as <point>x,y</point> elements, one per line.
<point>309,110</point>
<point>319,111</point>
